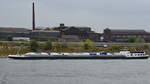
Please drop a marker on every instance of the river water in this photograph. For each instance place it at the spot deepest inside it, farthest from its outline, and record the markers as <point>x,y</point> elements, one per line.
<point>74,71</point>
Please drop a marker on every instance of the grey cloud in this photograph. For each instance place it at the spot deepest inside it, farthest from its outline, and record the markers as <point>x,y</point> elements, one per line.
<point>97,14</point>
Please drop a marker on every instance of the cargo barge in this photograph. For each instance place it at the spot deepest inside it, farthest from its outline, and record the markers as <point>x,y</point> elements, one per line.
<point>124,54</point>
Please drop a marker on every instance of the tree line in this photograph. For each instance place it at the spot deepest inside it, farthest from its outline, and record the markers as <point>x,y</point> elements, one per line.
<point>59,46</point>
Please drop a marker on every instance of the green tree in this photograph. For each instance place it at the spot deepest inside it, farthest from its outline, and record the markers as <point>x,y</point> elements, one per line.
<point>23,43</point>
<point>48,45</point>
<point>134,39</point>
<point>139,40</point>
<point>73,47</point>
<point>64,45</point>
<point>88,44</point>
<point>57,47</point>
<point>81,44</point>
<point>9,38</point>
<point>131,39</point>
<point>33,45</point>
<point>1,43</point>
<point>139,43</point>
<point>146,46</point>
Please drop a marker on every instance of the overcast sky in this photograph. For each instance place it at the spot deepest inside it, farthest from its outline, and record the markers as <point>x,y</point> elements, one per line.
<point>97,14</point>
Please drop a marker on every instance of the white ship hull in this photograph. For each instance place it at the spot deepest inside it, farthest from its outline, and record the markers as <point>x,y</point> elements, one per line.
<point>73,56</point>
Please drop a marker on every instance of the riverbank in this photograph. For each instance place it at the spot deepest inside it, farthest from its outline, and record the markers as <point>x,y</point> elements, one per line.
<point>87,46</point>
<point>3,56</point>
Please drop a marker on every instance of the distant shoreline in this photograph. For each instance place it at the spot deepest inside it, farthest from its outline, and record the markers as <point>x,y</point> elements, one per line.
<point>3,56</point>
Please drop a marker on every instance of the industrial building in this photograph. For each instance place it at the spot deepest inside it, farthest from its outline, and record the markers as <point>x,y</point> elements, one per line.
<point>77,33</point>
<point>120,35</point>
<point>15,32</point>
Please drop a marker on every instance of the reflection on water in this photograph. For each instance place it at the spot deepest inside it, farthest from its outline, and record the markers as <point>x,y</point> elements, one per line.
<point>74,71</point>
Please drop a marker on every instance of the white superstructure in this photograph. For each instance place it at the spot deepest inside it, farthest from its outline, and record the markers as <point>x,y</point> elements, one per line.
<point>128,53</point>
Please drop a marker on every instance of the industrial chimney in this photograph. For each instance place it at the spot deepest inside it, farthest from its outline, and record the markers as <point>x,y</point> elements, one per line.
<point>33,17</point>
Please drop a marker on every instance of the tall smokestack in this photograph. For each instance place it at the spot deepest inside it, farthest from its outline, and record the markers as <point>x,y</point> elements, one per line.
<point>33,17</point>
